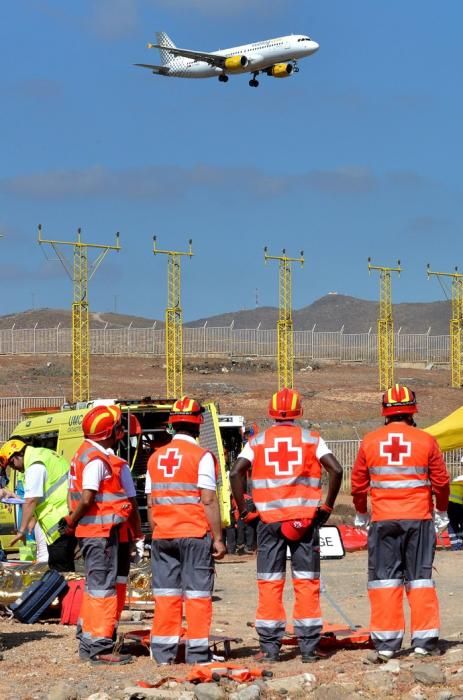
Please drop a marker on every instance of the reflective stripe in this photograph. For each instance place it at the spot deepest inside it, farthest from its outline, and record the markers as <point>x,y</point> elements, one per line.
<point>308,622</point>
<point>420,583</point>
<point>385,635</point>
<point>62,480</point>
<point>288,503</point>
<point>274,576</point>
<point>121,579</point>
<point>174,487</point>
<point>385,583</point>
<point>309,439</point>
<point>398,470</point>
<point>164,640</point>
<point>109,593</point>
<point>175,500</point>
<point>101,519</point>
<point>197,594</point>
<point>425,634</point>
<point>88,635</point>
<point>456,499</point>
<point>110,497</point>
<point>289,481</point>
<point>161,592</point>
<point>51,530</point>
<point>280,624</point>
<point>309,575</point>
<point>198,642</point>
<point>409,484</point>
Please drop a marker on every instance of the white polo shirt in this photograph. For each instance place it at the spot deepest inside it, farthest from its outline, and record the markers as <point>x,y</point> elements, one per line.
<point>97,470</point>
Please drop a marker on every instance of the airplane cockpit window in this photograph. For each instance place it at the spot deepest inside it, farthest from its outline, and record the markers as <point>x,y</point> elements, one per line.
<point>305,38</point>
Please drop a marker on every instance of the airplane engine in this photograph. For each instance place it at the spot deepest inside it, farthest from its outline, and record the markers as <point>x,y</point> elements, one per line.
<point>235,63</point>
<point>281,70</point>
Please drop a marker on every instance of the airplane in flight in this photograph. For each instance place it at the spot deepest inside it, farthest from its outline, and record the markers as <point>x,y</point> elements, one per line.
<point>276,57</point>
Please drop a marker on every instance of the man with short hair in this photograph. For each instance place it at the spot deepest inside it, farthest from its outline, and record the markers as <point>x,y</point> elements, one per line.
<point>401,468</point>
<point>286,462</point>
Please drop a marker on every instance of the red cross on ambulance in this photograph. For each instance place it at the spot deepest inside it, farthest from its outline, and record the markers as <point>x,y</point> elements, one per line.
<point>283,456</point>
<point>395,449</point>
<point>170,462</point>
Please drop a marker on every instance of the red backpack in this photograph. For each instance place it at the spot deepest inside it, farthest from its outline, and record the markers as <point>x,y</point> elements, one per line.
<point>72,601</point>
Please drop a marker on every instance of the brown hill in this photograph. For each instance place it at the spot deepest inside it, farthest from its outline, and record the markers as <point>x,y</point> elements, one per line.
<point>329,313</point>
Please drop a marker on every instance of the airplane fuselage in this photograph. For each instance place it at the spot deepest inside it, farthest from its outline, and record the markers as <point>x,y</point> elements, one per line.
<point>260,56</point>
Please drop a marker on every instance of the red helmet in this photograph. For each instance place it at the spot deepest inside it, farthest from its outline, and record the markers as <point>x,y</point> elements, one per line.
<point>399,399</point>
<point>100,422</point>
<point>285,405</point>
<point>294,530</point>
<point>186,410</point>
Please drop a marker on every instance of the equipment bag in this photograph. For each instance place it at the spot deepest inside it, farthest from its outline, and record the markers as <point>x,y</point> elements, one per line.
<point>72,602</point>
<point>36,599</point>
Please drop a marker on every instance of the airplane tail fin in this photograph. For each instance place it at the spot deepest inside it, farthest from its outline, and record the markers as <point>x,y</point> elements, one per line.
<point>164,39</point>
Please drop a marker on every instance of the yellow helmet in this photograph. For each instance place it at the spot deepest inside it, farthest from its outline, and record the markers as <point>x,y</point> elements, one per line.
<point>11,448</point>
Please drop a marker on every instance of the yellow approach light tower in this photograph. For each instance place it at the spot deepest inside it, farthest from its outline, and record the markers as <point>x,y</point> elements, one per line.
<point>385,324</point>
<point>174,320</point>
<point>80,274</point>
<point>285,331</point>
<point>456,323</point>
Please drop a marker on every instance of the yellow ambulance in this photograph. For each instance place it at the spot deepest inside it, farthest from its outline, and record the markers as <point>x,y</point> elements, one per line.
<point>61,430</point>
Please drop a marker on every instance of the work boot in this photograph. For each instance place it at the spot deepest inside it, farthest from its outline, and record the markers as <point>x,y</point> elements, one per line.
<point>111,659</point>
<point>379,657</point>
<point>266,657</point>
<point>312,657</point>
<point>421,651</point>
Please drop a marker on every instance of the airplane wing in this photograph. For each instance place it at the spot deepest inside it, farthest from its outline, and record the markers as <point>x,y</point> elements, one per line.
<point>212,58</point>
<point>160,70</point>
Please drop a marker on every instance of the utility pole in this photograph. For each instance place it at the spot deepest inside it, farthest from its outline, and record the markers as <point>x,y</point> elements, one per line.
<point>385,324</point>
<point>456,323</point>
<point>80,273</point>
<point>285,330</point>
<point>174,320</point>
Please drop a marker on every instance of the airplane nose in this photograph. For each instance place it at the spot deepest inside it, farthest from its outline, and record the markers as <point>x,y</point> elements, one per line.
<point>315,46</point>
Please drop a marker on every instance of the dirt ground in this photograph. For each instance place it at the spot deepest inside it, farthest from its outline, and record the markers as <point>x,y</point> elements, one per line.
<point>343,400</point>
<point>37,658</point>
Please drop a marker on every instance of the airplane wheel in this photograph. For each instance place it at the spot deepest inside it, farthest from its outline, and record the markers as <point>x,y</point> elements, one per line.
<point>223,78</point>
<point>254,83</point>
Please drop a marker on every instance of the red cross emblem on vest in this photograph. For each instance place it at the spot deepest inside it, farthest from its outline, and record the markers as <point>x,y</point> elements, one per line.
<point>283,456</point>
<point>170,462</point>
<point>395,449</point>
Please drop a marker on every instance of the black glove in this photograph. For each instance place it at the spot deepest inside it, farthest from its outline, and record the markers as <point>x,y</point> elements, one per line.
<point>65,527</point>
<point>322,515</point>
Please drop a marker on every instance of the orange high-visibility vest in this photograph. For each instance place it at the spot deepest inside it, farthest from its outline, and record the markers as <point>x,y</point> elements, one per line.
<point>175,497</point>
<point>286,474</point>
<point>397,456</point>
<point>111,506</point>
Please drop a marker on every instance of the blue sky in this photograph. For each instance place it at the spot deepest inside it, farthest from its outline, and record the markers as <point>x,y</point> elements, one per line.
<point>359,154</point>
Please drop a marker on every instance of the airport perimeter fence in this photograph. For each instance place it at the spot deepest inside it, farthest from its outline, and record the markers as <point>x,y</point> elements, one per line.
<point>229,342</point>
<point>12,407</point>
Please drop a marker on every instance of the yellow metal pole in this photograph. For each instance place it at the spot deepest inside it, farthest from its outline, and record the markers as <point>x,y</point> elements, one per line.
<point>174,320</point>
<point>385,324</point>
<point>285,330</point>
<point>456,324</point>
<point>80,275</point>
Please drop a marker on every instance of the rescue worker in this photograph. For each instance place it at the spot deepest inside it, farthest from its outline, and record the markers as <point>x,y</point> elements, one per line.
<point>455,512</point>
<point>187,537</point>
<point>46,477</point>
<point>106,520</point>
<point>286,463</point>
<point>401,467</point>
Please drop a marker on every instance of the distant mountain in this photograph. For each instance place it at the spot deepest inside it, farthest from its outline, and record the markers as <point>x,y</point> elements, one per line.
<point>330,313</point>
<point>334,311</point>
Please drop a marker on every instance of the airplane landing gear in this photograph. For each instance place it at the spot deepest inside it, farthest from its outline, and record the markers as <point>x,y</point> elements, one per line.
<point>223,78</point>
<point>295,67</point>
<point>253,82</point>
